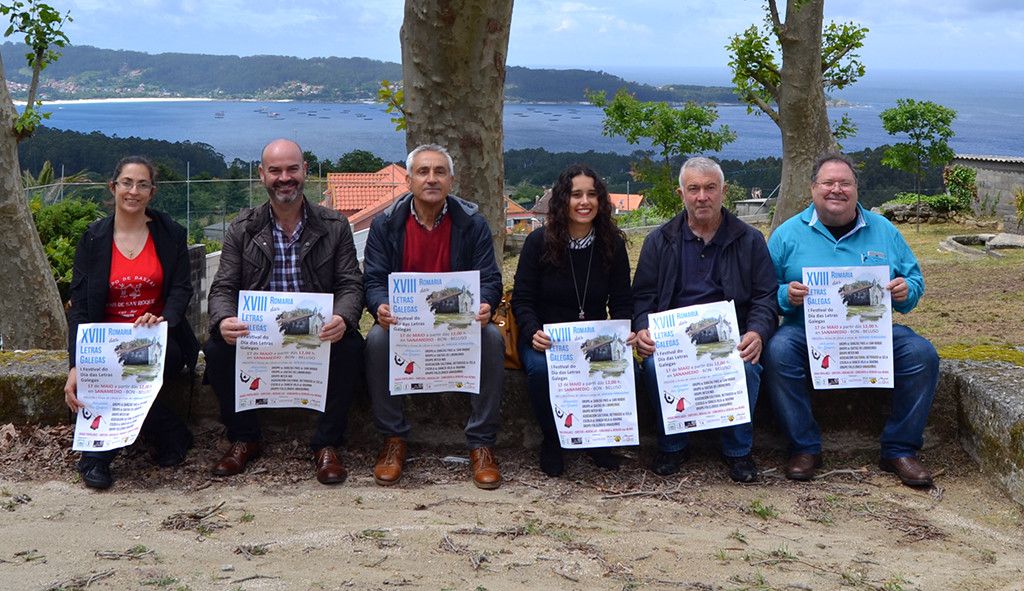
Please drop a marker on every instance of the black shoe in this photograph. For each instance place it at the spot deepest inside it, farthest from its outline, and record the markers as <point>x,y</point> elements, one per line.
<point>96,475</point>
<point>667,463</point>
<point>551,462</point>
<point>605,458</point>
<point>741,469</point>
<point>173,451</point>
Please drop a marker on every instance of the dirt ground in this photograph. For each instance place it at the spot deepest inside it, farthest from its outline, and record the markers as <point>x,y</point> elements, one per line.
<point>275,527</point>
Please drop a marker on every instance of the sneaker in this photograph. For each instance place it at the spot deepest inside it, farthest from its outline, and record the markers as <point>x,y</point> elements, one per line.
<point>667,463</point>
<point>741,469</point>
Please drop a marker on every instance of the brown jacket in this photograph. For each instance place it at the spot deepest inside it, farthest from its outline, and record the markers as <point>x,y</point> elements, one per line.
<point>327,262</point>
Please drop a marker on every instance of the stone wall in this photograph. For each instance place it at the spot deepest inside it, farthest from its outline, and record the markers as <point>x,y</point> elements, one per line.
<point>998,178</point>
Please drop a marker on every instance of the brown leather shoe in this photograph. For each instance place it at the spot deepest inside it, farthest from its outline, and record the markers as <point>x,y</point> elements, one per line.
<point>388,470</point>
<point>802,466</point>
<point>910,470</point>
<point>238,455</point>
<point>329,469</point>
<point>485,468</point>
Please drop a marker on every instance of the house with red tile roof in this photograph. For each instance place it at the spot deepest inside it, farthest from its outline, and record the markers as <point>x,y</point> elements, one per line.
<point>625,202</point>
<point>362,195</point>
<point>518,219</point>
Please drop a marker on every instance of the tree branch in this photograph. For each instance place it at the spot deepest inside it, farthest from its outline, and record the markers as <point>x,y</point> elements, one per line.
<point>765,107</point>
<point>777,23</point>
<point>826,66</point>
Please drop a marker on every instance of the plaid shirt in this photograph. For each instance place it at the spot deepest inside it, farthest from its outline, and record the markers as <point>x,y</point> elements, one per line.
<point>437,221</point>
<point>286,275</point>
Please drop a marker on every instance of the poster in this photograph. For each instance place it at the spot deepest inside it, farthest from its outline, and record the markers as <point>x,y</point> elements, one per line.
<point>590,375</point>
<point>282,363</point>
<point>700,373</point>
<point>435,347</point>
<point>120,372</point>
<point>848,319</point>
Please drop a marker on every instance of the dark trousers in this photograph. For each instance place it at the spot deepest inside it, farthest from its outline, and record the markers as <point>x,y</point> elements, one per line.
<point>162,425</point>
<point>344,377</point>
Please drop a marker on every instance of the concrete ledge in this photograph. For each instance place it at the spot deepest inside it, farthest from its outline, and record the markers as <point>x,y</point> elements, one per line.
<point>980,404</point>
<point>989,399</point>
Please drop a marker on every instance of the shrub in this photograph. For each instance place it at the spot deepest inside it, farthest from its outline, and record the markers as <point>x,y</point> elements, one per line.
<point>942,203</point>
<point>961,182</point>
<point>60,227</point>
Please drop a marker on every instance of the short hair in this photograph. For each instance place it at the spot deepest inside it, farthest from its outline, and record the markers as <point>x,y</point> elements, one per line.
<point>701,164</point>
<point>142,160</point>
<point>429,148</point>
<point>833,157</point>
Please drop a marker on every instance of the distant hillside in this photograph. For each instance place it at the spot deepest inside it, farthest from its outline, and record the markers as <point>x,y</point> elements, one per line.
<point>90,72</point>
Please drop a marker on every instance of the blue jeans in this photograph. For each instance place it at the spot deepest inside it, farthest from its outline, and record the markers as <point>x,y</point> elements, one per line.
<point>535,364</point>
<point>916,366</point>
<point>736,441</point>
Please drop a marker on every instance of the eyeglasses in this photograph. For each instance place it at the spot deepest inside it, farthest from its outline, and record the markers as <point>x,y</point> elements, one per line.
<point>128,184</point>
<point>842,185</point>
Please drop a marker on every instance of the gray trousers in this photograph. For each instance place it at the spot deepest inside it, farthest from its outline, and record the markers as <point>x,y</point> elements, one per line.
<point>389,411</point>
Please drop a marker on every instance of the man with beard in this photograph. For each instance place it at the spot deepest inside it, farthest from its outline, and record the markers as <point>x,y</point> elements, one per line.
<point>287,244</point>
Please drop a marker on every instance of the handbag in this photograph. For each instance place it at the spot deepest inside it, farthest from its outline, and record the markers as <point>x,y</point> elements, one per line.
<point>506,323</point>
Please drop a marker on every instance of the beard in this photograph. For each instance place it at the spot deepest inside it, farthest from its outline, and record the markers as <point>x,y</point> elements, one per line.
<point>285,193</point>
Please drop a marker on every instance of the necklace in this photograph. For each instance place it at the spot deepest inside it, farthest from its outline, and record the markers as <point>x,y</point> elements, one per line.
<point>586,283</point>
<point>139,245</point>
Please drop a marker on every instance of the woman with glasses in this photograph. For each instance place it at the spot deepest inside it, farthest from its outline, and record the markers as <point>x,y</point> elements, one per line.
<point>133,266</point>
<point>574,268</point>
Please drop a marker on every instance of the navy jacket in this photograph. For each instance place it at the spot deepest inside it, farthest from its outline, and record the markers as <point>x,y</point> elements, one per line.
<point>744,267</point>
<point>90,280</point>
<point>471,249</point>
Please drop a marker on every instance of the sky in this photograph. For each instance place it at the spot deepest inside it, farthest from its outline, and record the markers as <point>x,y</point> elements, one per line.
<point>623,37</point>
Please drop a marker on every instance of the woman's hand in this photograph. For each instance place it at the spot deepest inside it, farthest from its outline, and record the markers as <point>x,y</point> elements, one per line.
<point>71,391</point>
<point>541,341</point>
<point>148,319</point>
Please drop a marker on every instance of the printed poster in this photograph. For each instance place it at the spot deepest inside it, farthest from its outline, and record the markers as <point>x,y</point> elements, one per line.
<point>590,374</point>
<point>435,347</point>
<point>848,319</point>
<point>700,373</point>
<point>120,372</point>
<point>282,363</point>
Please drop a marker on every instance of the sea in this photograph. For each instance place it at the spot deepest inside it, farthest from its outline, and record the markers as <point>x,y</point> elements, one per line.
<point>989,105</point>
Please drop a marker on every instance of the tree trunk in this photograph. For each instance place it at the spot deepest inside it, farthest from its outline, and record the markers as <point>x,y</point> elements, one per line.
<point>453,64</point>
<point>803,118</point>
<point>31,315</point>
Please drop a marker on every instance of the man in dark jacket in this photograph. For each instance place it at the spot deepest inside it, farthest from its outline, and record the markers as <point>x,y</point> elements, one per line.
<point>287,244</point>
<point>430,231</point>
<point>705,254</point>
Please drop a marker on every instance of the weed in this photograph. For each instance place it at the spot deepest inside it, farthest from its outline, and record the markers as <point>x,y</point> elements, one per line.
<point>738,536</point>
<point>759,508</point>
<point>373,534</point>
<point>894,583</point>
<point>988,556</point>
<point>247,517</point>
<point>722,555</point>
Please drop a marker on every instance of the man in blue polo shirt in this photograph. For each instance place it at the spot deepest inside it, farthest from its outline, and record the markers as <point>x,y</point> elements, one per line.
<point>835,231</point>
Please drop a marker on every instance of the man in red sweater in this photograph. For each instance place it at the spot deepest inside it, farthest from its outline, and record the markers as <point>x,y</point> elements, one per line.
<point>430,231</point>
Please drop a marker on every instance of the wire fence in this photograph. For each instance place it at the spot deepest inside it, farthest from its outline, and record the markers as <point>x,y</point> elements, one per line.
<point>203,206</point>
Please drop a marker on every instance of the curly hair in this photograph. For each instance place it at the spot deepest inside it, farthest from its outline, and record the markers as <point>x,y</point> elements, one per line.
<point>556,226</point>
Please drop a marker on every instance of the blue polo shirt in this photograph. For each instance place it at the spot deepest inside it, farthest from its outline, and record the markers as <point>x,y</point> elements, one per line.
<point>698,281</point>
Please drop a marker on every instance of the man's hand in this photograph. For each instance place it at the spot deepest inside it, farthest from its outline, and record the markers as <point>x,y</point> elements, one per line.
<point>796,292</point>
<point>899,289</point>
<point>333,330</point>
<point>541,341</point>
<point>71,391</point>
<point>485,313</point>
<point>384,317</point>
<point>231,328</point>
<point>644,343</point>
<point>750,347</point>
